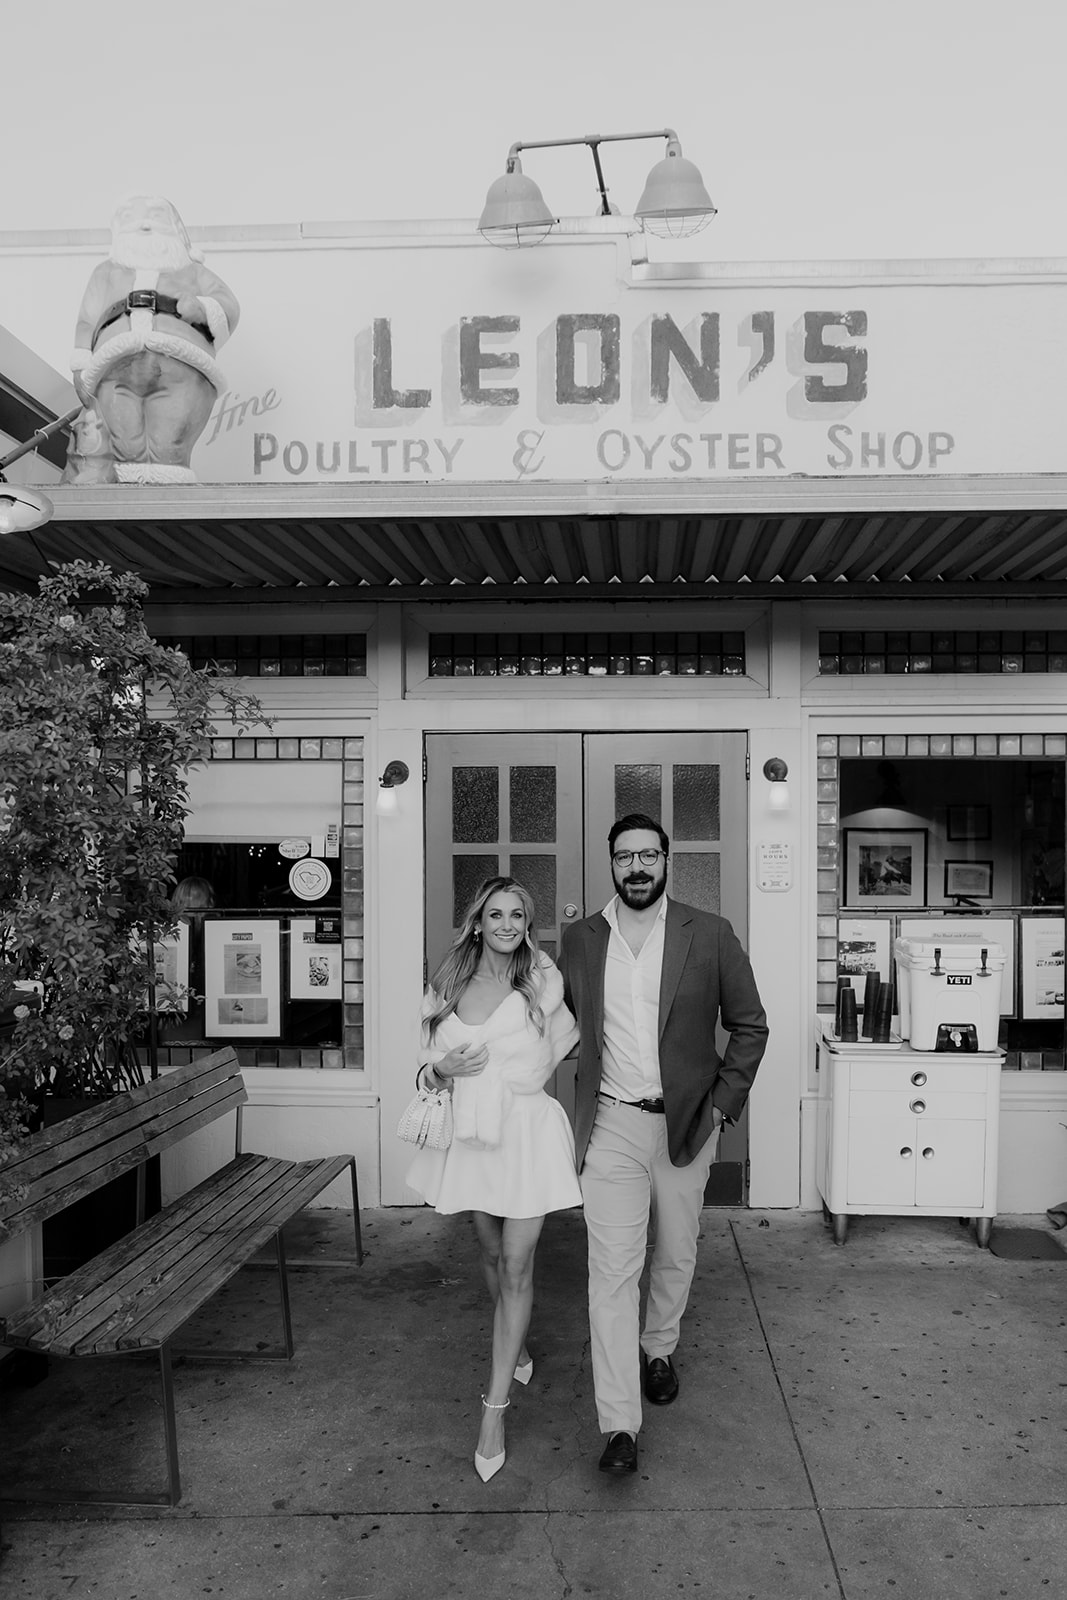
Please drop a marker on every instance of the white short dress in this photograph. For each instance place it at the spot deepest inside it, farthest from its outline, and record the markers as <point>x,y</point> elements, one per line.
<point>512,1152</point>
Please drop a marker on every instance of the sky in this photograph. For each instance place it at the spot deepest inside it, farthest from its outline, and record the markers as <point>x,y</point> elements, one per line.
<point>824,129</point>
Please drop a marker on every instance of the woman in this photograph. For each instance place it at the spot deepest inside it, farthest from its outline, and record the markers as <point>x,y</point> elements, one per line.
<point>192,895</point>
<point>494,1027</point>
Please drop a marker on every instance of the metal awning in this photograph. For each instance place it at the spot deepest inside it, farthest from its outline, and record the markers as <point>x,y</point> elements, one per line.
<point>200,543</point>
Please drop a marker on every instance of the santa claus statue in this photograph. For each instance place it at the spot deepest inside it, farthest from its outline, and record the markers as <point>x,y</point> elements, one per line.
<point>151,321</point>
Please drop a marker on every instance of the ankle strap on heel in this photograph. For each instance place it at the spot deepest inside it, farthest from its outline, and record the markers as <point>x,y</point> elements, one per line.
<point>489,1405</point>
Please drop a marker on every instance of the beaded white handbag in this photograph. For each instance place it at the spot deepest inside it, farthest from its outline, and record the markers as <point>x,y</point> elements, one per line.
<point>427,1120</point>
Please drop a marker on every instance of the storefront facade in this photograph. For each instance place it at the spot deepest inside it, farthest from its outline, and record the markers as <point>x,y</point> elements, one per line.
<point>563,531</point>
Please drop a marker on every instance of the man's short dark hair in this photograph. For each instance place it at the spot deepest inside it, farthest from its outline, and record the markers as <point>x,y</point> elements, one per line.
<point>637,819</point>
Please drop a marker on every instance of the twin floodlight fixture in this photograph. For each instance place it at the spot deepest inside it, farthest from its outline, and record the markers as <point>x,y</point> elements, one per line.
<point>673,205</point>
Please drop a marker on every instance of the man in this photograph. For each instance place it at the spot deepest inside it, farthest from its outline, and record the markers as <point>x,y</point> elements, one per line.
<point>648,979</point>
<point>150,324</point>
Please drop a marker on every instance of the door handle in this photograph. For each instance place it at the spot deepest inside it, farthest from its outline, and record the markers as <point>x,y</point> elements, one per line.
<point>570,911</point>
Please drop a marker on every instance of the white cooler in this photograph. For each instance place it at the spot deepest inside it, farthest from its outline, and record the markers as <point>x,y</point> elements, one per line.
<point>949,991</point>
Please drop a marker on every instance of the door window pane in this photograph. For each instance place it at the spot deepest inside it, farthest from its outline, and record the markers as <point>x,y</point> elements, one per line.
<point>695,878</point>
<point>638,788</point>
<point>696,801</point>
<point>468,875</point>
<point>533,805</point>
<point>538,874</point>
<point>475,806</point>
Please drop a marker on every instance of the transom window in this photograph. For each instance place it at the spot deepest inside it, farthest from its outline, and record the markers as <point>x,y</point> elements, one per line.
<point>593,655</point>
<point>274,655</point>
<point>883,651</point>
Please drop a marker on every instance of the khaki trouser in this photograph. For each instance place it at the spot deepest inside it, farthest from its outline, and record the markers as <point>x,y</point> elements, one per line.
<point>627,1182</point>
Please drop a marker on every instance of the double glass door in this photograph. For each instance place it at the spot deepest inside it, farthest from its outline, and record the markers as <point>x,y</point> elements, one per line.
<point>539,807</point>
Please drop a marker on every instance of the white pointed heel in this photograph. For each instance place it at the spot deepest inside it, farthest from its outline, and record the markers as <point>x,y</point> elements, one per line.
<point>488,1466</point>
<point>524,1372</point>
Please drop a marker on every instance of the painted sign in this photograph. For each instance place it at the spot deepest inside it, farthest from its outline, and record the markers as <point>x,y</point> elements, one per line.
<point>434,362</point>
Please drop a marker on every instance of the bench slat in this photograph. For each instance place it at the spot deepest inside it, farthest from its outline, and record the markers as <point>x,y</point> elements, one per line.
<point>62,1188</point>
<point>131,1106</point>
<point>60,1164</point>
<point>200,1256</point>
<point>283,1190</point>
<point>138,1293</point>
<point>91,1293</point>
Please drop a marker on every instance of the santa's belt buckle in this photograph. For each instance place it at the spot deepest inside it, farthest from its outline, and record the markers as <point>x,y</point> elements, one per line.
<point>141,300</point>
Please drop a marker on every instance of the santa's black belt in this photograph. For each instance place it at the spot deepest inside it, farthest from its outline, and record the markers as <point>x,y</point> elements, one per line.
<point>639,1105</point>
<point>147,300</point>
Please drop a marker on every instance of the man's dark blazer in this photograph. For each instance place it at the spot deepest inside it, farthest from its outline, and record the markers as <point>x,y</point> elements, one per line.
<point>706,976</point>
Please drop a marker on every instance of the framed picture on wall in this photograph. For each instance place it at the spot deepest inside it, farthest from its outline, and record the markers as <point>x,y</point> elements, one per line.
<point>969,822</point>
<point>969,880</point>
<point>1042,963</point>
<point>314,968</point>
<point>885,867</point>
<point>863,945</point>
<point>242,979</point>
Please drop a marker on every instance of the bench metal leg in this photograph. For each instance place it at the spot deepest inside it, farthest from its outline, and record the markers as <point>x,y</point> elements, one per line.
<point>283,1287</point>
<point>282,1352</point>
<point>125,1497</point>
<point>170,1427</point>
<point>355,1215</point>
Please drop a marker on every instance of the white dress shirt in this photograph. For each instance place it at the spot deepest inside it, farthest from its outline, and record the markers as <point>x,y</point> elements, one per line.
<point>630,1064</point>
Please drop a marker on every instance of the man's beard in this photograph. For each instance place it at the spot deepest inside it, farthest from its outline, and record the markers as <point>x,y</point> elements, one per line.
<point>636,894</point>
<point>159,250</point>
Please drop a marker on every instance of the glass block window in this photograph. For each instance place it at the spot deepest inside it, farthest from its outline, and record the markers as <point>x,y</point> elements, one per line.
<point>589,655</point>
<point>277,655</point>
<point>848,654</point>
<point>346,862</point>
<point>830,750</point>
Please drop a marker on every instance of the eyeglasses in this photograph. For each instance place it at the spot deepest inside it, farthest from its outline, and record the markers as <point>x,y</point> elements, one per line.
<point>647,858</point>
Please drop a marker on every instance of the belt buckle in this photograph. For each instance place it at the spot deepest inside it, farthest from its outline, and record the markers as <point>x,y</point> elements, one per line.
<point>141,300</point>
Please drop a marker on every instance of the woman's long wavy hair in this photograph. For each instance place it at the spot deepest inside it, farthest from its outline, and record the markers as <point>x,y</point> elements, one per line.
<point>459,965</point>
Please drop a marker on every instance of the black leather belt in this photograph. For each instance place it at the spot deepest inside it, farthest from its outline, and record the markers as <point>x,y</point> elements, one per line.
<point>147,300</point>
<point>639,1105</point>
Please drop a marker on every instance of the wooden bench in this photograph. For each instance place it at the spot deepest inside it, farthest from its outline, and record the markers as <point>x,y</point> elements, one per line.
<point>137,1295</point>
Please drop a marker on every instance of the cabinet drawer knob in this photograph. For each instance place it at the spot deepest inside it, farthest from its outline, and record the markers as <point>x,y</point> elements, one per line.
<point>928,1153</point>
<point>918,1106</point>
<point>918,1079</point>
<point>907,1152</point>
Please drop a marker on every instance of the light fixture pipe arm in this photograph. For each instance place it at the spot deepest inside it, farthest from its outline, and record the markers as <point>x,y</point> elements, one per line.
<point>39,437</point>
<point>591,139</point>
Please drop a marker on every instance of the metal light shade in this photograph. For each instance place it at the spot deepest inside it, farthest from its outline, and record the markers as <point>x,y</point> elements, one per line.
<point>675,202</point>
<point>515,213</point>
<point>22,509</point>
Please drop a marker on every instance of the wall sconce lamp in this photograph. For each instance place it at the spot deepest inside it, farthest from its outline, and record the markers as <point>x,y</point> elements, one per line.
<point>22,509</point>
<point>776,773</point>
<point>673,205</point>
<point>388,803</point>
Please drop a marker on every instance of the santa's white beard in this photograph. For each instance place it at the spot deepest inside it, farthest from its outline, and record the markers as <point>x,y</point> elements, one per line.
<point>159,250</point>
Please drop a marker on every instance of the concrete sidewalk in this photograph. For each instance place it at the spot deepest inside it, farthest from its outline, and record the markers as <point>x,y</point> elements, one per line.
<point>882,1418</point>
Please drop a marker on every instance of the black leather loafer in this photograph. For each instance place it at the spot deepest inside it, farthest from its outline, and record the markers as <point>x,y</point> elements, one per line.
<point>661,1382</point>
<point>620,1454</point>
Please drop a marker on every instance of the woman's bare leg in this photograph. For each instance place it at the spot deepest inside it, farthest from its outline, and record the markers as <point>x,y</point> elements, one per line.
<point>508,1245</point>
<point>489,1239</point>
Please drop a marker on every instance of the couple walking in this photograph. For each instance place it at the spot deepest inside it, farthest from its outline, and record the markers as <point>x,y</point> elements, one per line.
<point>641,986</point>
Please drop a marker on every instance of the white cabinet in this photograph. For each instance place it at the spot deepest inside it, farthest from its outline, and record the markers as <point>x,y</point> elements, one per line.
<point>907,1131</point>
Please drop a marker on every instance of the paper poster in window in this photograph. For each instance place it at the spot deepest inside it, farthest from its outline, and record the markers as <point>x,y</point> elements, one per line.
<point>242,979</point>
<point>1042,964</point>
<point>863,946</point>
<point>314,969</point>
<point>172,971</point>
